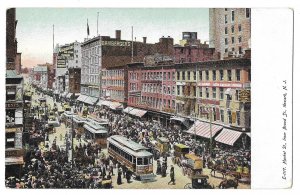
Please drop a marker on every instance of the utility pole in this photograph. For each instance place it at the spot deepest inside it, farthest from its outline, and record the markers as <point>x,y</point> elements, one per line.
<point>132,44</point>
<point>97,22</point>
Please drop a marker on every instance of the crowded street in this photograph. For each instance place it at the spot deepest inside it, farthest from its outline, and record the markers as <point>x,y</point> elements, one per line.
<point>48,165</point>
<point>102,111</point>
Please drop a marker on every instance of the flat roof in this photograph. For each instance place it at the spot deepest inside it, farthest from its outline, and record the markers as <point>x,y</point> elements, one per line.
<point>128,143</point>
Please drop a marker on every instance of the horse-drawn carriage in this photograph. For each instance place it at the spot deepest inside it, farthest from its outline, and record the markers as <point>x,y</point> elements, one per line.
<point>162,145</point>
<point>199,182</point>
<point>192,165</point>
<point>179,151</point>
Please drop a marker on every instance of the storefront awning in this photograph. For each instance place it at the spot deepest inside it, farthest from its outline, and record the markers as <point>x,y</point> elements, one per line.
<point>90,100</point>
<point>228,137</point>
<point>14,160</point>
<point>111,105</point>
<point>249,134</point>
<point>180,119</point>
<point>202,129</point>
<point>82,98</point>
<point>134,111</point>
<point>64,94</point>
<point>69,95</point>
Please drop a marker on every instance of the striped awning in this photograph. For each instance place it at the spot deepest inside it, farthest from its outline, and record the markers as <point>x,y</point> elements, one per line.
<point>202,129</point>
<point>134,111</point>
<point>228,137</point>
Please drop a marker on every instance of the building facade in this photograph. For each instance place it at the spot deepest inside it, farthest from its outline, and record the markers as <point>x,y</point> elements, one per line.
<point>41,76</point>
<point>14,105</point>
<point>212,91</point>
<point>103,55</point>
<point>230,31</point>
<point>113,84</point>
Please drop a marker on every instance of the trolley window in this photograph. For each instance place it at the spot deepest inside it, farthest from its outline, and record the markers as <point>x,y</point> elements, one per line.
<point>146,161</point>
<point>139,161</point>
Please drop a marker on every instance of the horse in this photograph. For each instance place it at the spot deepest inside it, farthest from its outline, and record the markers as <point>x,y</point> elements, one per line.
<point>218,168</point>
<point>229,183</point>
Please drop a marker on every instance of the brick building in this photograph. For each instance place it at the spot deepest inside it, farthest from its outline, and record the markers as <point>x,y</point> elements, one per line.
<point>14,102</point>
<point>111,55</point>
<point>230,31</point>
<point>74,83</point>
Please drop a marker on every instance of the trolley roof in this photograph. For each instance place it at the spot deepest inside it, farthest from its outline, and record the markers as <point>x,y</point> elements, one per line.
<point>131,147</point>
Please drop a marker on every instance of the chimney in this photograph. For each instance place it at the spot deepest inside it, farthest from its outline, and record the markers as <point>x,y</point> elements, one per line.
<point>118,34</point>
<point>144,40</point>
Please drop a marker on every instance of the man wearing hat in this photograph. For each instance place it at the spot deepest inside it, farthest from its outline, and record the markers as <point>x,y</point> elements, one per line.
<point>172,175</point>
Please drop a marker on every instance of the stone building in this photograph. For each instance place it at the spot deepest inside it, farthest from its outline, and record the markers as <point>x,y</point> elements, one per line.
<point>230,31</point>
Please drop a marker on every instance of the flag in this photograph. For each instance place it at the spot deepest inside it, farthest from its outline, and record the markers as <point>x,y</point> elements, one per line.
<point>88,29</point>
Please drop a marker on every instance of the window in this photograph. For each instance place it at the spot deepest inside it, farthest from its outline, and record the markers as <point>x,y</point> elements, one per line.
<point>200,75</point>
<point>229,117</point>
<point>240,27</point>
<point>221,75</point>
<point>226,9</point>
<point>207,75</point>
<point>240,50</point>
<point>222,115</point>
<point>194,74</point>
<point>195,92</point>
<point>221,93</point>
<point>232,16</point>
<point>214,114</point>
<point>226,41</point>
<point>238,74</point>
<point>232,40</point>
<point>226,20</point>
<point>247,12</point>
<point>226,50</point>
<point>232,29</point>
<point>238,118</point>
<point>214,75</point>
<point>181,50</point>
<point>232,49</point>
<point>183,75</point>
<point>207,92</point>
<point>139,161</point>
<point>226,31</point>
<point>237,95</point>
<point>190,51</point>
<point>169,76</point>
<point>200,92</point>
<point>229,75</point>
<point>240,39</point>
<point>178,75</point>
<point>214,92</point>
<point>188,75</point>
<point>178,90</point>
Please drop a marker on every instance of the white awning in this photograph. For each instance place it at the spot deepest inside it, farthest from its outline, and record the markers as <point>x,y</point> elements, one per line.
<point>64,94</point>
<point>134,111</point>
<point>180,119</point>
<point>111,105</point>
<point>82,98</point>
<point>90,100</point>
<point>228,136</point>
<point>249,134</point>
<point>202,129</point>
<point>69,95</point>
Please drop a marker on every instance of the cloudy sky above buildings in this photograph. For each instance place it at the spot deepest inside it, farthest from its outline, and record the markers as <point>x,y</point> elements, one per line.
<point>34,29</point>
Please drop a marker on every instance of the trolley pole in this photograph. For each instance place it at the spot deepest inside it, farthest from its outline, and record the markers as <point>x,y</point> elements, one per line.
<point>210,131</point>
<point>72,157</point>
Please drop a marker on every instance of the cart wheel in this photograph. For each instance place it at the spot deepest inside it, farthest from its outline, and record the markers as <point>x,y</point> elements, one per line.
<point>188,186</point>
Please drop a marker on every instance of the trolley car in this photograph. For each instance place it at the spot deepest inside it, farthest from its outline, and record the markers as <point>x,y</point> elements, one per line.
<point>132,155</point>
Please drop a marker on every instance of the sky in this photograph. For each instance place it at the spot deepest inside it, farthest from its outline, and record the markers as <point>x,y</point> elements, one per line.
<point>35,26</point>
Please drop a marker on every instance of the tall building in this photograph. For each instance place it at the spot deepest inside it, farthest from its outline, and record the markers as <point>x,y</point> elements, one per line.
<point>230,31</point>
<point>14,102</point>
<point>66,56</point>
<point>105,54</point>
